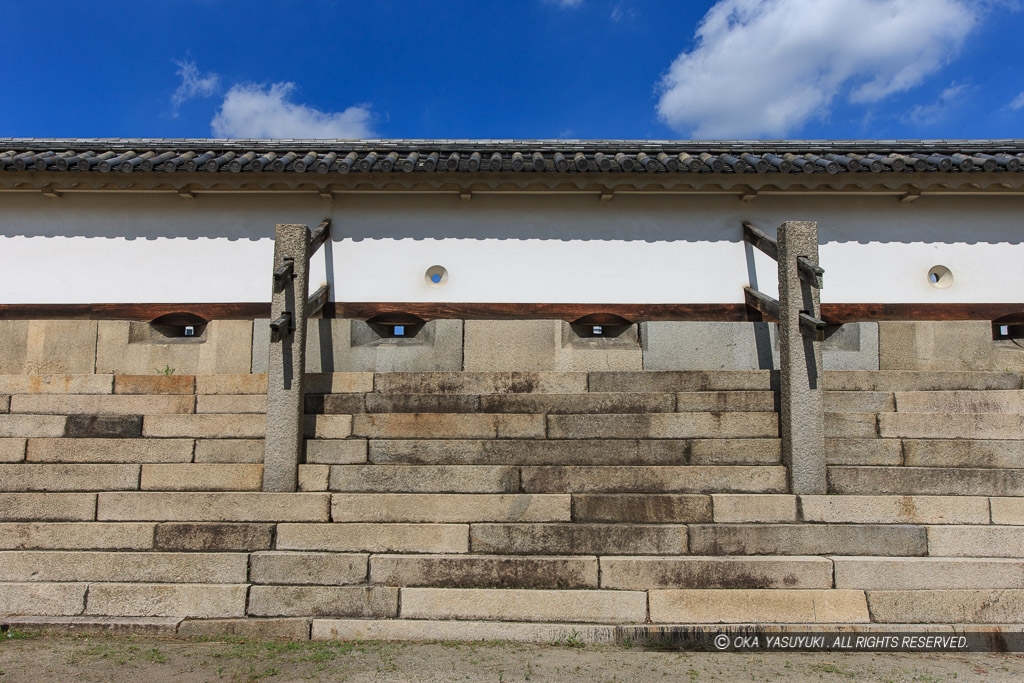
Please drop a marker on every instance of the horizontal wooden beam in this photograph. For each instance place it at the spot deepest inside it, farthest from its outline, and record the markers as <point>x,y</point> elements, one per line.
<point>761,240</point>
<point>317,301</point>
<point>762,303</point>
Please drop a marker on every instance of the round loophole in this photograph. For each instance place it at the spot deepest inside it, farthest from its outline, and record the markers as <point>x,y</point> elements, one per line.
<point>940,277</point>
<point>436,276</point>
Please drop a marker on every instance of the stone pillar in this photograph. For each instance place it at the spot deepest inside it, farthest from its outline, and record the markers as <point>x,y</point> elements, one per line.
<point>286,365</point>
<point>802,406</point>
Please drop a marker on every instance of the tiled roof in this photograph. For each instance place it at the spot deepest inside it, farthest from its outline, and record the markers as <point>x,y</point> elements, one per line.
<point>181,155</point>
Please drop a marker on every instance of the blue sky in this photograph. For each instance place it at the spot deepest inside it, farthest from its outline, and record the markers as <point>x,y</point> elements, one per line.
<point>514,68</point>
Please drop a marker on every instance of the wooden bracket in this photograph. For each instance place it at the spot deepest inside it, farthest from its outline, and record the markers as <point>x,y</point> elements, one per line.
<point>761,240</point>
<point>317,301</point>
<point>812,327</point>
<point>748,195</point>
<point>320,235</point>
<point>186,192</point>
<point>911,196</point>
<point>465,195</point>
<point>49,191</point>
<point>762,303</point>
<point>607,195</point>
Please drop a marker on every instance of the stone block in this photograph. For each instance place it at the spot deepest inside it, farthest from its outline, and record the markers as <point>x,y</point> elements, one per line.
<point>975,541</point>
<point>410,403</point>
<point>578,539</point>
<point>725,401</point>
<point>205,426</point>
<point>806,539</point>
<point>246,629</point>
<point>684,381</point>
<point>314,477</point>
<point>484,571</point>
<point>646,573</point>
<point>12,450</point>
<point>851,425</point>
<point>214,507</point>
<point>42,599</point>
<point>733,508</point>
<point>213,536</point>
<point>127,626</point>
<point>21,426</point>
<point>100,404</point>
<point>75,536</point>
<point>125,451</point>
<point>894,509</point>
<point>758,605</point>
<point>228,403</point>
<point>560,404</point>
<point>859,402</point>
<point>64,477</point>
<point>872,451</point>
<point>339,382</point>
<point>56,384</point>
<point>510,604</point>
<point>686,479</point>
<point>449,630</point>
<point>412,507</point>
<point>959,453</point>
<point>956,402</point>
<point>323,601</point>
<point>127,347</point>
<point>229,450</point>
<point>328,426</point>
<point>38,347</point>
<point>166,600</point>
<point>451,426</point>
<point>375,537</point>
<point>935,481</point>
<point>509,345</point>
<point>424,478</point>
<point>333,569</point>
<point>946,426</point>
<point>5,404</point>
<point>693,345</point>
<point>43,507</point>
<point>664,426</point>
<point>640,508</point>
<point>924,573</point>
<point>60,566</point>
<point>1007,511</point>
<point>733,451</point>
<point>915,380</point>
<point>103,426</point>
<point>947,606</point>
<point>853,346</point>
<point>154,384</point>
<point>939,345</point>
<point>336,451</point>
<point>336,404</point>
<point>232,384</point>
<point>202,477</point>
<point>482,383</point>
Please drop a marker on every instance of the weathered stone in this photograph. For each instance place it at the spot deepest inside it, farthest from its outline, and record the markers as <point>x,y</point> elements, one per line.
<point>578,403</point>
<point>62,477</point>
<point>726,401</point>
<point>314,477</point>
<point>201,477</point>
<point>924,573</point>
<point>247,629</point>
<point>894,509</point>
<point>328,426</point>
<point>210,536</point>
<point>42,599</point>
<point>99,404</point>
<point>942,345</point>
<point>424,478</point>
<point>732,508</point>
<point>936,481</point>
<point>124,451</point>
<point>913,380</point>
<point>42,507</point>
<point>336,404</point>
<point>412,507</point>
<point>687,479</point>
<point>482,383</point>
<point>56,384</point>
<point>72,536</point>
<point>375,538</point>
<point>757,605</point>
<point>664,426</point>
<point>640,508</point>
<point>645,573</point>
<point>806,539</point>
<point>947,426</point>
<point>509,604</point>
<point>421,403</point>
<point>154,384</point>
<point>975,541</point>
<point>336,451</point>
<point>578,539</point>
<point>947,606</point>
<point>12,450</point>
<point>685,380</point>
<point>103,426</point>
<point>323,601</point>
<point>229,450</point>
<point>859,402</point>
<point>124,567</point>
<point>339,383</point>
<point>960,453</point>
<point>451,630</point>
<point>232,384</point>
<point>960,402</point>
<point>20,426</point>
<point>5,404</point>
<point>333,569</point>
<point>1007,511</point>
<point>205,426</point>
<point>48,346</point>
<point>484,571</point>
<point>733,451</point>
<point>451,426</point>
<point>128,626</point>
<point>136,348</point>
<point>201,600</point>
<point>214,507</point>
<point>872,451</point>
<point>232,404</point>
<point>851,425</point>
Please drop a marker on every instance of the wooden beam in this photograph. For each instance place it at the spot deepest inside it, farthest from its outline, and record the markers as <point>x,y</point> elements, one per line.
<point>317,301</point>
<point>812,327</point>
<point>762,303</point>
<point>760,239</point>
<point>809,272</point>
<point>320,235</point>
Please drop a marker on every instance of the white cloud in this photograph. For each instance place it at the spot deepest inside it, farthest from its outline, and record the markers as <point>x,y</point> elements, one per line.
<point>193,84</point>
<point>253,111</point>
<point>566,3</point>
<point>1017,102</point>
<point>766,67</point>
<point>924,114</point>
<point>620,13</point>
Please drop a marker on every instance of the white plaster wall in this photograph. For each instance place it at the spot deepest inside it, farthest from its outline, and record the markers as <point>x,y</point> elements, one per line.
<point>114,248</point>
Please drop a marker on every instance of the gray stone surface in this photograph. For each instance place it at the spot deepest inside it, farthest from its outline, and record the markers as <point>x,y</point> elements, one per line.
<point>641,479</point>
<point>936,481</point>
<point>579,539</point>
<point>53,565</point>
<point>853,346</point>
<point>508,345</point>
<point>322,601</point>
<point>484,383</point>
<point>75,536</point>
<point>944,345</point>
<point>807,539</point>
<point>685,380</point>
<point>644,573</point>
<point>962,453</point>
<point>39,347</point>
<point>641,508</point>
<point>213,536</point>
<point>484,571</point>
<point>224,347</point>
<point>697,345</point>
<point>331,569</point>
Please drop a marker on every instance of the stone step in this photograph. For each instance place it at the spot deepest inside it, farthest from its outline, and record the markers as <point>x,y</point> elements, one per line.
<point>212,426</point>
<point>481,383</point>
<point>202,477</point>
<point>68,477</point>
<point>866,451</point>
<point>213,536</point>
<point>646,573</point>
<point>47,507</point>
<point>424,478</point>
<point>578,539</point>
<point>916,380</point>
<point>951,426</point>
<point>560,404</point>
<point>927,573</point>
<point>335,569</point>
<point>231,403</point>
<point>323,601</point>
<point>511,604</point>
<point>807,539</point>
<point>448,425</point>
<point>735,606</point>
<point>851,425</point>
<point>947,606</point>
<point>644,479</point>
<point>726,401</point>
<point>374,537</point>
<point>197,600</point>
<point>428,507</point>
<point>213,507</point>
<point>976,541</point>
<point>664,426</point>
<point>859,402</point>
<point>935,481</point>
<point>870,509</point>
<point>75,536</point>
<point>228,450</point>
<point>641,508</point>
<point>124,451</point>
<point>73,404</point>
<point>484,571</point>
<point>963,453</point>
<point>56,384</point>
<point>955,402</point>
<point>57,566</point>
<point>684,380</point>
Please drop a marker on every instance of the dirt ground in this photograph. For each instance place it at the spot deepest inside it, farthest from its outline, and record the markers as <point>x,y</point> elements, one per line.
<point>46,657</point>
